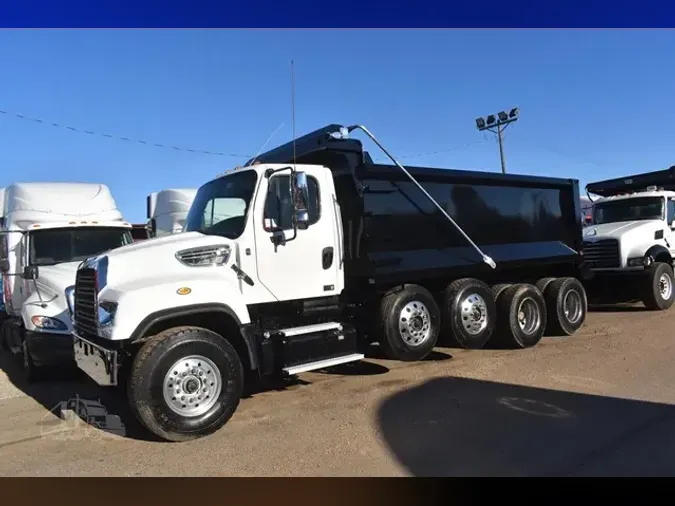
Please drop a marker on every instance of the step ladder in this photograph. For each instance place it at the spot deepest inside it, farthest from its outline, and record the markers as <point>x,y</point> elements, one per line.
<point>335,328</point>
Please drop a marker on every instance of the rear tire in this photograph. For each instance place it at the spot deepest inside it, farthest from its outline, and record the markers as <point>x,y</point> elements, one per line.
<point>408,323</point>
<point>659,292</point>
<point>566,306</point>
<point>469,313</point>
<point>521,316</point>
<point>185,383</point>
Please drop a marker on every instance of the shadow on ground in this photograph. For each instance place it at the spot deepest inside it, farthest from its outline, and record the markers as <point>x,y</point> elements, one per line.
<point>466,427</point>
<point>102,408</point>
<point>616,308</point>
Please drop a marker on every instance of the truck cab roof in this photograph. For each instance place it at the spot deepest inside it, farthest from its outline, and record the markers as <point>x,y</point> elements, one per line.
<point>27,204</point>
<point>637,194</point>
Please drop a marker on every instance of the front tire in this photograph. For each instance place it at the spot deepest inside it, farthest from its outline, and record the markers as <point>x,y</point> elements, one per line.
<point>659,291</point>
<point>31,372</point>
<point>408,323</point>
<point>185,383</point>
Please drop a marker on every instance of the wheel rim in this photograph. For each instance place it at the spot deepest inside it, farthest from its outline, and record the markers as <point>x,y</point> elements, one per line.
<point>528,315</point>
<point>414,323</point>
<point>192,385</point>
<point>474,314</point>
<point>665,286</point>
<point>572,306</point>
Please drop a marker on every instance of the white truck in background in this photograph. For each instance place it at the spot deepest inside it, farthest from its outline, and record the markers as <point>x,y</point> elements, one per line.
<point>168,209</point>
<point>47,230</point>
<point>630,245</point>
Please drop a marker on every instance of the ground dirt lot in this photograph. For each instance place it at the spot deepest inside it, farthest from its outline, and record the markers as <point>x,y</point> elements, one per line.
<point>598,403</point>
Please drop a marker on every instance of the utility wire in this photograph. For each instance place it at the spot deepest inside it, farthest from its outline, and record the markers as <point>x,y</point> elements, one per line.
<point>191,150</point>
<point>119,137</point>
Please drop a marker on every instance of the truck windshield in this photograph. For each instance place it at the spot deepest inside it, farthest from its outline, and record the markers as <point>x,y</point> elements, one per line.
<point>220,206</point>
<point>639,208</point>
<point>60,245</point>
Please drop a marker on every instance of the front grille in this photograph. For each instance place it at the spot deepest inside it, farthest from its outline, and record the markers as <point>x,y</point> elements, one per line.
<point>86,303</point>
<point>602,254</point>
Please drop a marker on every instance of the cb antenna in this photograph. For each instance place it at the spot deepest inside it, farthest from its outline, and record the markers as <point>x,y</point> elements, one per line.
<point>293,108</point>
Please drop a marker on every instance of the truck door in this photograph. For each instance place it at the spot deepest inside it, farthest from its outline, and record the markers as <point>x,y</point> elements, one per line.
<point>670,219</point>
<point>308,265</point>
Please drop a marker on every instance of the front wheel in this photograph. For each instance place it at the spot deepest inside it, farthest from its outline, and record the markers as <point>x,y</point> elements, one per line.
<point>658,292</point>
<point>185,383</point>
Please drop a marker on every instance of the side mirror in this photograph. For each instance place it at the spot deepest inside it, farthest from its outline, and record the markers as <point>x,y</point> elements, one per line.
<point>30,272</point>
<point>70,299</point>
<point>300,200</point>
<point>672,224</point>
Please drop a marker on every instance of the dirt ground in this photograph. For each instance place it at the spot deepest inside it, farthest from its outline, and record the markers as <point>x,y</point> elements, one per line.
<point>597,403</point>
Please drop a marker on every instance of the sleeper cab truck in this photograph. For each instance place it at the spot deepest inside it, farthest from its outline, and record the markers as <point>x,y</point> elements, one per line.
<point>630,245</point>
<point>306,257</point>
<point>47,230</point>
<point>167,210</point>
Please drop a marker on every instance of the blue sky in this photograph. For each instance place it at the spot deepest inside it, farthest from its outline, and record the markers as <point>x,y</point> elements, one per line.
<point>594,104</point>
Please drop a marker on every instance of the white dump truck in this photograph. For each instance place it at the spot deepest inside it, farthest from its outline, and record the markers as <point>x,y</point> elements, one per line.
<point>47,230</point>
<point>168,209</point>
<point>630,244</point>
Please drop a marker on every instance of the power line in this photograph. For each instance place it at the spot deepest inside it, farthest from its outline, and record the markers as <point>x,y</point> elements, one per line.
<point>119,137</point>
<point>191,150</point>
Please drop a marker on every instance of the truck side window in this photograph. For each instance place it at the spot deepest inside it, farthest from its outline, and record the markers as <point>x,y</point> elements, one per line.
<point>670,214</point>
<point>278,206</point>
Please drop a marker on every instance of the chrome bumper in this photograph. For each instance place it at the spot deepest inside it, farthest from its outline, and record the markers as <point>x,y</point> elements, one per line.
<point>99,363</point>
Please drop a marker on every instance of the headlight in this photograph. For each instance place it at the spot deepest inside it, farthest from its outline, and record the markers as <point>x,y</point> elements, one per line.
<point>639,262</point>
<point>106,313</point>
<point>204,256</point>
<point>48,323</point>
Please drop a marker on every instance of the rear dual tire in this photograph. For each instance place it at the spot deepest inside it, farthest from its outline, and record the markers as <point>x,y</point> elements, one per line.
<point>408,323</point>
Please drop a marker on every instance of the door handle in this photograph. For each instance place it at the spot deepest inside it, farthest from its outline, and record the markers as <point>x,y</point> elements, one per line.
<point>327,257</point>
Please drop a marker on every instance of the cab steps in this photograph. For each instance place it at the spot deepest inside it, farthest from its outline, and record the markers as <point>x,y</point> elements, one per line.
<point>317,346</point>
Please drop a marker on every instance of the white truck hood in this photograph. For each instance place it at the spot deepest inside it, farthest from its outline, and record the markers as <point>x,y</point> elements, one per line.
<point>54,279</point>
<point>156,258</point>
<point>622,229</point>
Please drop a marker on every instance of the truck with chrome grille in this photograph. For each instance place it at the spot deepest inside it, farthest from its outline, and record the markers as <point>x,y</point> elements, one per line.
<point>630,245</point>
<point>309,255</point>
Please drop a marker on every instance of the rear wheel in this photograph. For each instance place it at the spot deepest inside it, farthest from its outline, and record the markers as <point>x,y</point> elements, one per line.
<point>566,306</point>
<point>521,316</point>
<point>658,292</point>
<point>408,323</point>
<point>469,312</point>
<point>185,383</point>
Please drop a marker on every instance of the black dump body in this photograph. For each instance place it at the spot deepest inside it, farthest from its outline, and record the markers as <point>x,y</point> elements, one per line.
<point>393,233</point>
<point>662,179</point>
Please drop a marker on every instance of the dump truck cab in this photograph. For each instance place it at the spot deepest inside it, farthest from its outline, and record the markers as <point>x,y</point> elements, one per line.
<point>630,246</point>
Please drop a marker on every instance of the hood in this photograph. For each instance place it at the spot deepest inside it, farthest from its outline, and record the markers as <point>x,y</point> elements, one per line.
<point>621,229</point>
<point>54,279</point>
<point>156,257</point>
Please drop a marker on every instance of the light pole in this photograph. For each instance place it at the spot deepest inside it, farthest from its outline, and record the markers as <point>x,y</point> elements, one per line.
<point>499,123</point>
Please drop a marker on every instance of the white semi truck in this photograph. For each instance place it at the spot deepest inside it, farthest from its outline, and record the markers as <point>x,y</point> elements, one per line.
<point>47,230</point>
<point>303,259</point>
<point>630,245</point>
<point>168,209</point>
